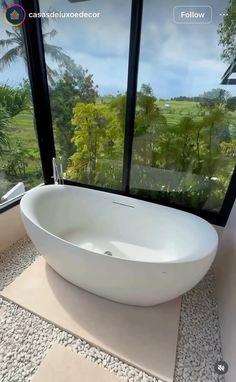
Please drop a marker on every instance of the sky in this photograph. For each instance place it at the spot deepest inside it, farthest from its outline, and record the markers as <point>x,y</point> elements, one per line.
<point>176,59</point>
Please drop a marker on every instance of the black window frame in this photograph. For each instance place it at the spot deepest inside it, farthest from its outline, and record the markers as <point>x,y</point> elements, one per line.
<point>32,30</point>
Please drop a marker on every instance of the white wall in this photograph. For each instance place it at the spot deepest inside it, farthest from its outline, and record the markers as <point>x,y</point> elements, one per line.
<point>11,227</point>
<point>226,292</point>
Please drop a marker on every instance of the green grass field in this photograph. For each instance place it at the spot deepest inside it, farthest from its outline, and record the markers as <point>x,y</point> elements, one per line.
<point>178,110</point>
<point>22,127</point>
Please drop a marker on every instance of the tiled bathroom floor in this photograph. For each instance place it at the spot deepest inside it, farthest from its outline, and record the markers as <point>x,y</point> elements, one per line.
<point>131,333</point>
<point>63,365</point>
<point>25,338</point>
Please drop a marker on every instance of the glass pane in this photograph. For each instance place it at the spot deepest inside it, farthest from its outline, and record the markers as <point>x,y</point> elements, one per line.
<point>87,72</point>
<point>20,166</point>
<point>185,128</point>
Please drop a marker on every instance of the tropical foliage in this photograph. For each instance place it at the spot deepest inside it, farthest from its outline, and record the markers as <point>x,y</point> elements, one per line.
<point>12,102</point>
<point>192,149</point>
<point>74,84</point>
<point>98,142</point>
<point>227,32</point>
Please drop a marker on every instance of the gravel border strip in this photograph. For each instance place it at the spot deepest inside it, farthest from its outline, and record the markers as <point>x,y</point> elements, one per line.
<point>199,344</point>
<point>25,338</point>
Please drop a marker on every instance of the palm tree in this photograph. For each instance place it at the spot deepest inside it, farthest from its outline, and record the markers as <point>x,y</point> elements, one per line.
<point>15,43</point>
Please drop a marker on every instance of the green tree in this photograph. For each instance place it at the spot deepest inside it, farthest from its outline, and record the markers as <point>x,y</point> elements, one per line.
<point>16,163</point>
<point>98,143</point>
<point>149,125</point>
<point>185,143</point>
<point>118,106</point>
<point>74,84</point>
<point>13,100</point>
<point>227,32</point>
<point>215,130</point>
<point>217,95</point>
<point>149,118</point>
<point>191,146</point>
<point>231,104</point>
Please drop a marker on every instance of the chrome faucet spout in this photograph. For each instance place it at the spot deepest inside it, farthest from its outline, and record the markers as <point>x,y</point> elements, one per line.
<point>57,173</point>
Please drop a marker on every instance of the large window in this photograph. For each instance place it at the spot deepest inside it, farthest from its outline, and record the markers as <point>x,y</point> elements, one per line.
<point>87,74</point>
<point>159,125</point>
<point>185,125</point>
<point>20,166</point>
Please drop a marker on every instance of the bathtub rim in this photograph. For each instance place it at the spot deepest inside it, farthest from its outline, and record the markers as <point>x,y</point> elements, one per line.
<point>182,260</point>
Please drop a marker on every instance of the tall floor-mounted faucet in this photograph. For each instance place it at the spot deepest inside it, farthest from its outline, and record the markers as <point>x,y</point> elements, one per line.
<point>57,171</point>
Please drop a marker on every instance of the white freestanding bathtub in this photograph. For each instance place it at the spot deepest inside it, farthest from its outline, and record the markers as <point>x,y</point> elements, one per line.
<point>120,248</point>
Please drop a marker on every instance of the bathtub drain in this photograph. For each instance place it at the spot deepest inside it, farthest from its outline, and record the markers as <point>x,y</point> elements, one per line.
<point>108,253</point>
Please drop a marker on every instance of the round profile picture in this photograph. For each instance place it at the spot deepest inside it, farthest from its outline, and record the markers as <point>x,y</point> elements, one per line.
<point>14,15</point>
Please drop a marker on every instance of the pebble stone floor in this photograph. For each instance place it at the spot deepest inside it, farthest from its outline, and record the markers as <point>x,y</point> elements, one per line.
<point>25,338</point>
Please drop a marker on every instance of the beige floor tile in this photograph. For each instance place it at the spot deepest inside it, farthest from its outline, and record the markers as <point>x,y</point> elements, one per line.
<point>63,365</point>
<point>143,337</point>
